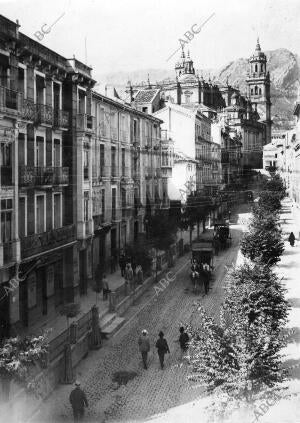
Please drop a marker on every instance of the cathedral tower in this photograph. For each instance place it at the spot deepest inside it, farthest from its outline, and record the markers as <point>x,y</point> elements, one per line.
<point>258,82</point>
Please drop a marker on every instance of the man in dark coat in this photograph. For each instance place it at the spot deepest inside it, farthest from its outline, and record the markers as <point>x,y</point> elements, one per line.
<point>162,348</point>
<point>78,402</point>
<point>292,239</point>
<point>183,340</point>
<point>122,264</point>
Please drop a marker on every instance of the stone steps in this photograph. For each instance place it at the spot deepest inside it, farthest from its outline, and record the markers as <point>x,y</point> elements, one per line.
<point>110,323</point>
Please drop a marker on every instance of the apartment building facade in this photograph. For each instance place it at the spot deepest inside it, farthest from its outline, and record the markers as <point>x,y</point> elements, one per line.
<point>131,164</point>
<point>46,180</point>
<point>191,132</point>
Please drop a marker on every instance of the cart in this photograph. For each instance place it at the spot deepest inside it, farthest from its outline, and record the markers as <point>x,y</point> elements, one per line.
<point>222,235</point>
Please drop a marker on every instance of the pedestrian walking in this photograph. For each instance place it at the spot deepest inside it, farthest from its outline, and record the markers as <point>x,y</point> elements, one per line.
<point>183,341</point>
<point>78,402</point>
<point>206,277</point>
<point>144,346</point>
<point>129,275</point>
<point>162,348</point>
<point>139,274</point>
<point>106,289</point>
<point>122,264</point>
<point>292,239</point>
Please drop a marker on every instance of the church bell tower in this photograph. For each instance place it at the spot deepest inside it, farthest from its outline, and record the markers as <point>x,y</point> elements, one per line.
<point>258,82</point>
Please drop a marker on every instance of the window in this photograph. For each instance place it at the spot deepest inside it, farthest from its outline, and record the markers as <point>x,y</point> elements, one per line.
<point>40,86</point>
<point>40,214</point>
<point>40,151</point>
<point>5,164</point>
<point>86,164</point>
<point>260,91</point>
<point>145,109</point>
<point>22,216</point>
<point>251,91</point>
<point>86,206</point>
<point>101,159</point>
<point>256,90</point>
<point>103,203</point>
<point>255,68</point>
<point>6,220</point>
<point>21,80</point>
<point>123,162</point>
<point>262,67</point>
<point>57,211</point>
<point>22,149</point>
<point>113,162</point>
<point>57,152</point>
<point>81,101</point>
<point>113,203</point>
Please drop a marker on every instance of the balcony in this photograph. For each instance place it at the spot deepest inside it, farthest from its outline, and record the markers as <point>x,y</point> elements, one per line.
<point>61,119</point>
<point>6,175</point>
<point>85,122</point>
<point>28,111</point>
<point>10,100</point>
<point>44,114</point>
<point>37,243</point>
<point>31,176</point>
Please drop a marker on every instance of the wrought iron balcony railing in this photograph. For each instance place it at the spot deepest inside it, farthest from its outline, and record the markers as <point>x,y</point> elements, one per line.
<point>37,243</point>
<point>30,176</point>
<point>61,118</point>
<point>28,111</point>
<point>44,114</point>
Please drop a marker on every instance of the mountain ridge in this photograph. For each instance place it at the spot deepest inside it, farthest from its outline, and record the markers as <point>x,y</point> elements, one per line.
<point>283,65</point>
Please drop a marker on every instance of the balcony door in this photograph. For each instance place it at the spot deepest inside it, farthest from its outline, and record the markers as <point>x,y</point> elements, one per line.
<point>40,152</point>
<point>56,101</point>
<point>40,86</point>
<point>57,153</point>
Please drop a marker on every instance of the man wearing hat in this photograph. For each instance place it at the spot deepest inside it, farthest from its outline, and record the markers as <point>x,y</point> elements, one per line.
<point>144,346</point>
<point>78,402</point>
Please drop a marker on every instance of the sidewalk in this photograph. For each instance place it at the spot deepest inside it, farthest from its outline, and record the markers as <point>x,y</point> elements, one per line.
<point>58,323</point>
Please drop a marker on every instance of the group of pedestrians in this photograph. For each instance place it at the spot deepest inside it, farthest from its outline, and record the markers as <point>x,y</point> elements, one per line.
<point>200,272</point>
<point>131,271</point>
<point>78,399</point>
<point>161,345</point>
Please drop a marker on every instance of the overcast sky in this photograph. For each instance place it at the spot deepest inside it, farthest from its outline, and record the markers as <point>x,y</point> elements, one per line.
<point>137,34</point>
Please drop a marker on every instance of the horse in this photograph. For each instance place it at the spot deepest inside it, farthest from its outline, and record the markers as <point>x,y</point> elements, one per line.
<point>194,276</point>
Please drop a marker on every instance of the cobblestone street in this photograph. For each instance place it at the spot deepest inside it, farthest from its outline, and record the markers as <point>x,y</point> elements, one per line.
<point>152,391</point>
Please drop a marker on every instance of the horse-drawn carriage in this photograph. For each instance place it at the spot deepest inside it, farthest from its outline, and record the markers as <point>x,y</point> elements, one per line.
<point>202,265</point>
<point>222,237</point>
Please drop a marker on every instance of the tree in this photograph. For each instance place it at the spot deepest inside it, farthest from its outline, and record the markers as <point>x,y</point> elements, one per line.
<point>162,230</point>
<point>17,355</point>
<point>262,246</point>
<point>270,201</point>
<point>141,255</point>
<point>197,209</point>
<point>276,185</point>
<point>240,356</point>
<point>263,220</point>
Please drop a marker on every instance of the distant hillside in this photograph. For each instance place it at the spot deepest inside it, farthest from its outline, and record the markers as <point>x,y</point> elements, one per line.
<point>284,71</point>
